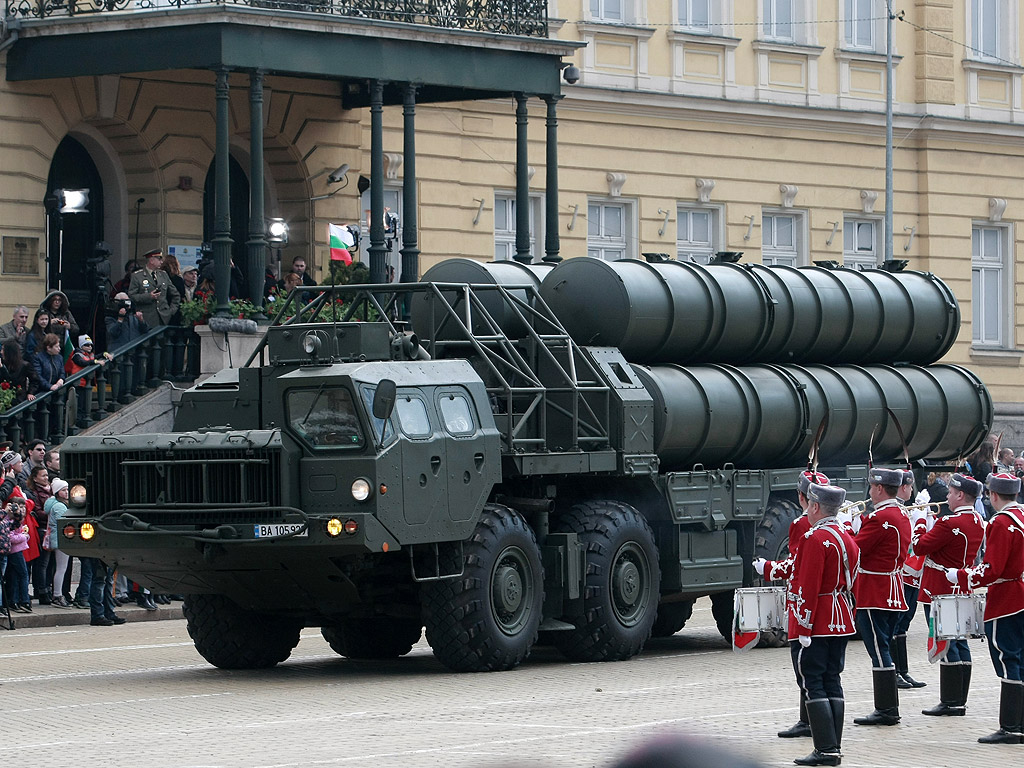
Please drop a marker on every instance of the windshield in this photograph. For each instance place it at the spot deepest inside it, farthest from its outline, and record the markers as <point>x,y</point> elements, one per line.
<point>325,417</point>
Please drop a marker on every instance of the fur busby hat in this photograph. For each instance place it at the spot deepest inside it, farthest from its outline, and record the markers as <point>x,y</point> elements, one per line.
<point>826,495</point>
<point>882,476</point>
<point>1004,484</point>
<point>967,484</point>
<point>908,477</point>
<point>807,477</point>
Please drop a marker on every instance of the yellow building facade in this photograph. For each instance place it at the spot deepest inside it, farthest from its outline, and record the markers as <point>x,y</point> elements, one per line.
<point>695,126</point>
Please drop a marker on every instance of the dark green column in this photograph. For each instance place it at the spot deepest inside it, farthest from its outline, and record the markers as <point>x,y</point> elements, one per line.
<point>222,201</point>
<point>410,249</point>
<point>522,183</point>
<point>257,244</point>
<point>551,241</point>
<point>378,249</point>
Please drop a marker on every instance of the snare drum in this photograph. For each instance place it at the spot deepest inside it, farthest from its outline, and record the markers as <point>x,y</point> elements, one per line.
<point>958,616</point>
<point>760,608</point>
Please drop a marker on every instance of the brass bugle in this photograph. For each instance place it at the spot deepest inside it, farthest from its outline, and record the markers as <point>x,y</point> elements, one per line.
<point>855,507</point>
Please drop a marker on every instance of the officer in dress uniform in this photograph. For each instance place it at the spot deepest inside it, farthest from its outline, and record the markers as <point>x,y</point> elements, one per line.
<point>911,576</point>
<point>1002,571</point>
<point>778,570</point>
<point>821,620</point>
<point>152,291</point>
<point>950,541</point>
<point>884,540</point>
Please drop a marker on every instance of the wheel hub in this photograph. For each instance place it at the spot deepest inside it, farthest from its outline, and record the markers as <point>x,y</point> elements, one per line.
<point>627,582</point>
<point>508,589</point>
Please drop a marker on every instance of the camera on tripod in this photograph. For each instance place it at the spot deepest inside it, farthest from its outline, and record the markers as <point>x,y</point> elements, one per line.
<point>97,266</point>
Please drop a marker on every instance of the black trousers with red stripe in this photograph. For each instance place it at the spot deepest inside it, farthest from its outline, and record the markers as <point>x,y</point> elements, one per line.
<point>818,666</point>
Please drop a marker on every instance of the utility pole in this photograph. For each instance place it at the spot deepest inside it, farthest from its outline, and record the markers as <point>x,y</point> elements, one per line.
<point>888,130</point>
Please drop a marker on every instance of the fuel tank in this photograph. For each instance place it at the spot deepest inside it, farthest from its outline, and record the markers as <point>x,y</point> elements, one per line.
<point>764,416</point>
<point>677,312</point>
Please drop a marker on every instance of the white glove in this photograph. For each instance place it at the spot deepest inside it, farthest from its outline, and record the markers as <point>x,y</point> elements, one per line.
<point>918,515</point>
<point>923,497</point>
<point>952,575</point>
<point>805,641</point>
<point>759,565</point>
<point>856,523</point>
<point>844,517</point>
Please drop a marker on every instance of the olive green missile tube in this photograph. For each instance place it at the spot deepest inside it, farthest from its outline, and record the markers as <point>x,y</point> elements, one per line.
<point>677,312</point>
<point>503,273</point>
<point>765,416</point>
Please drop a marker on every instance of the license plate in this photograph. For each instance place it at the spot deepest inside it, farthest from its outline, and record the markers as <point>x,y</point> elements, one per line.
<point>279,529</point>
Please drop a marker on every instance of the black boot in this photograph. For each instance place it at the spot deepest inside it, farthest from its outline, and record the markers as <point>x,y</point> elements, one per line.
<point>838,714</point>
<point>801,728</point>
<point>902,661</point>
<point>965,682</point>
<point>144,601</point>
<point>1011,707</point>
<point>950,690</point>
<point>823,731</point>
<point>887,699</point>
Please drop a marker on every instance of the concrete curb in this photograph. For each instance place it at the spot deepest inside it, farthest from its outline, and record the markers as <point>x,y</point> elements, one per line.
<point>46,616</point>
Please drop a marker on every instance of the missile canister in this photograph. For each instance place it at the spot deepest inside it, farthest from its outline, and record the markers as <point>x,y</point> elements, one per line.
<point>478,273</point>
<point>677,312</point>
<point>766,415</point>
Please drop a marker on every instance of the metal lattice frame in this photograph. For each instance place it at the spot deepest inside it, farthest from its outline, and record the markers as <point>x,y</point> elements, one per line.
<point>509,17</point>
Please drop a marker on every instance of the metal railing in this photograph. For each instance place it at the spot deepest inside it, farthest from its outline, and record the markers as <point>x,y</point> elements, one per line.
<point>507,17</point>
<point>133,370</point>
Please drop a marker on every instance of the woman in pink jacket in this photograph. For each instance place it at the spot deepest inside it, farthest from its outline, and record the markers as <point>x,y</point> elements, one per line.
<point>16,528</point>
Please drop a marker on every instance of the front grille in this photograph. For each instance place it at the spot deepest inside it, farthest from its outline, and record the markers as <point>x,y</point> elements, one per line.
<point>188,480</point>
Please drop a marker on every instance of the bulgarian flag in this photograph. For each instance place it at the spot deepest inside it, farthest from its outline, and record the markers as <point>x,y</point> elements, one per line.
<point>341,240</point>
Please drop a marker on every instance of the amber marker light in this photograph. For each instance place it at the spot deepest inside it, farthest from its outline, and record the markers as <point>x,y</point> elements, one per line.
<point>383,489</point>
<point>69,531</point>
<point>334,527</point>
<point>87,531</point>
<point>351,526</point>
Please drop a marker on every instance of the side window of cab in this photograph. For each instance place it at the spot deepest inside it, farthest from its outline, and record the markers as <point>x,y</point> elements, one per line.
<point>412,417</point>
<point>456,414</point>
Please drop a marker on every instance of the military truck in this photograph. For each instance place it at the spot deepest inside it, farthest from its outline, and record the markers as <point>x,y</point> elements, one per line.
<point>571,452</point>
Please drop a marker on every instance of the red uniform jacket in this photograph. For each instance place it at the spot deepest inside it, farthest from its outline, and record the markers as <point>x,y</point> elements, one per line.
<point>775,570</point>
<point>1002,569</point>
<point>952,543</point>
<point>884,540</point>
<point>817,598</point>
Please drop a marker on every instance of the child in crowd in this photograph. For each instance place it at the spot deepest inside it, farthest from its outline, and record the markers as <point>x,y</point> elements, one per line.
<point>13,525</point>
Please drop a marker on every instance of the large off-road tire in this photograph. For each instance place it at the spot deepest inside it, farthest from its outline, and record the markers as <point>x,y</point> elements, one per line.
<point>672,617</point>
<point>380,637</point>
<point>621,588</point>
<point>722,612</point>
<point>230,637</point>
<point>487,619</point>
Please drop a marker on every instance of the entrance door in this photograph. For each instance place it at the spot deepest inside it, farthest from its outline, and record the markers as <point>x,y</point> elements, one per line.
<point>73,236</point>
<point>239,206</point>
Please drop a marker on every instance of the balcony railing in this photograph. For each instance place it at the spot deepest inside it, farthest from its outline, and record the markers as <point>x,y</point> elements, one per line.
<point>506,17</point>
<point>133,370</point>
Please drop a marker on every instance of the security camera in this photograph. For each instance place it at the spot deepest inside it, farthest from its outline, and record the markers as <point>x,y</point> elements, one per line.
<point>571,74</point>
<point>338,175</point>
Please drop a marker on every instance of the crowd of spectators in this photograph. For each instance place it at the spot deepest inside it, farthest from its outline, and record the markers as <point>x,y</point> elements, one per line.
<point>33,500</point>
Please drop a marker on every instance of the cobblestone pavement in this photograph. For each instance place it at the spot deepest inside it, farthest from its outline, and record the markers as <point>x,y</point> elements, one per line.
<point>139,695</point>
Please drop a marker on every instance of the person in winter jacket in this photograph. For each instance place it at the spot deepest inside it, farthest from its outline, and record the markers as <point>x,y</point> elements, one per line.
<point>39,328</point>
<point>61,320</point>
<point>80,359</point>
<point>15,531</point>
<point>16,371</point>
<point>49,365</point>
<point>56,508</point>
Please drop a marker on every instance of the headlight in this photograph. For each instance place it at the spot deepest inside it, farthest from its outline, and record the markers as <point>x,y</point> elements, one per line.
<point>77,495</point>
<point>334,527</point>
<point>360,490</point>
<point>87,531</point>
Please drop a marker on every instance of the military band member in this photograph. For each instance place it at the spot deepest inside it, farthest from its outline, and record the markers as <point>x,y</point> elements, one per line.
<point>776,570</point>
<point>952,542</point>
<point>911,576</point>
<point>821,620</point>
<point>1002,571</point>
<point>884,540</point>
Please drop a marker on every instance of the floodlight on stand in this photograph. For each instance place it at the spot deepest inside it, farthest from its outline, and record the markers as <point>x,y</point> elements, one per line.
<point>277,232</point>
<point>72,200</point>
